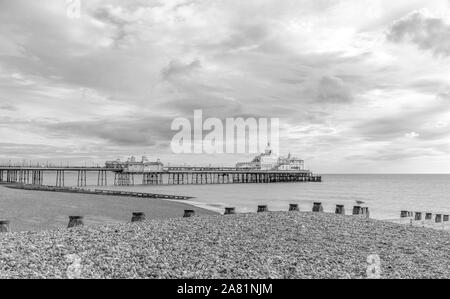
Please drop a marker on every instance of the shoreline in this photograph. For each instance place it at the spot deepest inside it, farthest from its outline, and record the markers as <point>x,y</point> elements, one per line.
<point>29,210</point>
<point>104,216</point>
<point>258,245</point>
<point>386,196</point>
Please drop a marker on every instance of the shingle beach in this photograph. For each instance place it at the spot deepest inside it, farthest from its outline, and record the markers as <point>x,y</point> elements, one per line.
<point>30,210</point>
<point>264,245</point>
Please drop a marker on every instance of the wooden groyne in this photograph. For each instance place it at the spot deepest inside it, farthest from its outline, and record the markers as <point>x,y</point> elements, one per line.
<point>76,221</point>
<point>359,212</point>
<point>98,192</point>
<point>424,219</point>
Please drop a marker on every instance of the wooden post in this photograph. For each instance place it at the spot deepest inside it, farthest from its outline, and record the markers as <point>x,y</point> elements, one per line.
<point>293,207</point>
<point>137,217</point>
<point>317,207</point>
<point>357,210</point>
<point>418,216</point>
<point>102,178</point>
<point>75,221</point>
<point>4,226</point>
<point>340,209</point>
<point>262,208</point>
<point>188,213</point>
<point>365,212</point>
<point>230,211</point>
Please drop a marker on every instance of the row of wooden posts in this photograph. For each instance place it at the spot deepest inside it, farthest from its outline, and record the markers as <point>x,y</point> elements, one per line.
<point>317,207</point>
<point>419,216</point>
<point>75,221</point>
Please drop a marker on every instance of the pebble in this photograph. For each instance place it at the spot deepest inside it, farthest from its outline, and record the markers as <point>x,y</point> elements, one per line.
<point>263,245</point>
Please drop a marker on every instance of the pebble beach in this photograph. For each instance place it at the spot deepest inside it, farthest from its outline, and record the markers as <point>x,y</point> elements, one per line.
<point>256,245</point>
<point>30,210</point>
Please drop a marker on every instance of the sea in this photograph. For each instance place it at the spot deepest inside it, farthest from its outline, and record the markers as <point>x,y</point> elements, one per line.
<point>385,194</point>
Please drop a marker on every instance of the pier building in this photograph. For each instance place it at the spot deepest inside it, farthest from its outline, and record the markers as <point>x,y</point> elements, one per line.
<point>270,161</point>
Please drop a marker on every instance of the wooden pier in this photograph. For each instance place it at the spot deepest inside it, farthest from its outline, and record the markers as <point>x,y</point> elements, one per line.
<point>205,176</point>
<point>35,175</point>
<point>167,176</point>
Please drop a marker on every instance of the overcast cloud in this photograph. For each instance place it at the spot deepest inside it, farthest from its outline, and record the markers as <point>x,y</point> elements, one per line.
<point>359,86</point>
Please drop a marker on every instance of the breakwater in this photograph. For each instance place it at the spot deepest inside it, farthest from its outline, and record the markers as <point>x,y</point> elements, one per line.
<point>75,221</point>
<point>96,192</point>
<point>358,211</point>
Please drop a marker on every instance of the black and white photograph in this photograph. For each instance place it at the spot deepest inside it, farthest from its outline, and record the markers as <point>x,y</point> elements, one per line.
<point>223,146</point>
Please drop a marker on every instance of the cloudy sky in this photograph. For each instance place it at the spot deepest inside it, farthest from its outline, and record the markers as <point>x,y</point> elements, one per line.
<point>359,86</point>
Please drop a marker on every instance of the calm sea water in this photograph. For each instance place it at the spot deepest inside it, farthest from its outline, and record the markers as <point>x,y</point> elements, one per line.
<point>386,195</point>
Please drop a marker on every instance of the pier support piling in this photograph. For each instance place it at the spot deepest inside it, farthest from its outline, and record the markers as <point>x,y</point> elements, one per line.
<point>124,179</point>
<point>37,177</point>
<point>81,182</point>
<point>60,178</point>
<point>102,178</point>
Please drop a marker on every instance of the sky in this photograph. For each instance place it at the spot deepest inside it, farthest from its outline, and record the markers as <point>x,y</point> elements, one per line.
<point>359,86</point>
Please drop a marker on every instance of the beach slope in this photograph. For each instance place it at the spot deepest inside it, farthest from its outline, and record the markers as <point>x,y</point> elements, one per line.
<point>264,245</point>
<point>30,210</point>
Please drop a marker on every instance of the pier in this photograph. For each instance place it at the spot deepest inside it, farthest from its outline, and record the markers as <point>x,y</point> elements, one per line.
<point>30,175</point>
<point>165,176</point>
